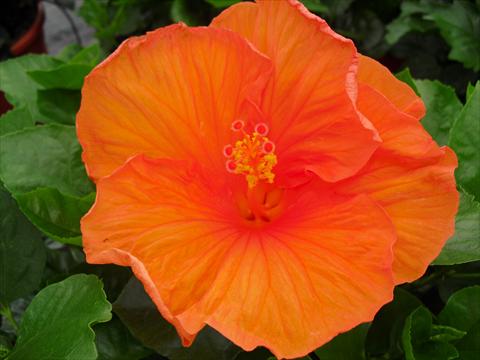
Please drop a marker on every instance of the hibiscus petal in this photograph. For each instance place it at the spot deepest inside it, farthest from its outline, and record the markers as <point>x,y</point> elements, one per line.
<point>377,76</point>
<point>309,101</point>
<point>421,199</point>
<point>321,268</point>
<point>160,212</point>
<point>401,133</point>
<point>319,273</point>
<point>171,93</point>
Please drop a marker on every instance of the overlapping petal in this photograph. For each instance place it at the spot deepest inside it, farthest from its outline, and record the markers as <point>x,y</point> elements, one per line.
<point>378,77</point>
<point>171,93</point>
<point>317,270</point>
<point>401,133</point>
<point>301,283</point>
<point>409,175</point>
<point>160,212</point>
<point>308,101</point>
<point>421,200</point>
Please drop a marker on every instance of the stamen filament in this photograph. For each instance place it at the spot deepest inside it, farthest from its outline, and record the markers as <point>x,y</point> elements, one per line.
<point>252,156</point>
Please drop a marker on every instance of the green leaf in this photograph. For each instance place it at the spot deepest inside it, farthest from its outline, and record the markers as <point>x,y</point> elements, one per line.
<point>418,326</point>
<point>68,52</point>
<point>384,335</point>
<point>34,82</point>
<point>43,156</point>
<point>15,119</point>
<point>70,74</point>
<point>90,55</point>
<point>465,141</point>
<point>469,346</point>
<point>22,253</point>
<point>114,342</point>
<point>18,86</point>
<point>222,3</point>
<point>470,89</point>
<point>443,106</point>
<point>407,78</point>
<point>57,323</point>
<point>65,76</point>
<point>367,30</point>
<point>5,346</point>
<point>95,13</point>
<point>434,350</point>
<point>459,25</point>
<point>315,5</point>
<point>346,346</point>
<point>112,18</point>
<point>421,342</point>
<point>180,12</point>
<point>140,315</point>
<point>58,105</point>
<point>410,19</point>
<point>41,167</point>
<point>462,310</point>
<point>445,333</point>
<point>464,245</point>
<point>114,277</point>
<point>441,102</point>
<point>259,353</point>
<point>75,54</point>
<point>337,8</point>
<point>55,214</point>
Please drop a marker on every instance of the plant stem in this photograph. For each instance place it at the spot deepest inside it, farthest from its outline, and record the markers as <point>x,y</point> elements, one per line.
<point>7,313</point>
<point>465,275</point>
<point>429,278</point>
<point>441,275</point>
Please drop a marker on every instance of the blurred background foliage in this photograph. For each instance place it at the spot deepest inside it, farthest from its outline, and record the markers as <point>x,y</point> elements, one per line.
<point>435,39</point>
<point>54,305</point>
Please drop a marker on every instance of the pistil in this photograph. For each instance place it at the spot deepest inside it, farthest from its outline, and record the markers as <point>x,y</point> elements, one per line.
<point>252,156</point>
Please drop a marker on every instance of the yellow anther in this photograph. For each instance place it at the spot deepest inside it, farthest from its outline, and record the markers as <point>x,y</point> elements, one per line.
<point>253,156</point>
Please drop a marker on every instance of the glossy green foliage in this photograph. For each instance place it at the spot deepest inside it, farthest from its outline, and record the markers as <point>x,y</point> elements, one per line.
<point>41,165</point>
<point>22,253</point>
<point>57,324</point>
<point>422,340</point>
<point>141,316</point>
<point>464,245</point>
<point>346,346</point>
<point>465,140</point>
<point>458,23</point>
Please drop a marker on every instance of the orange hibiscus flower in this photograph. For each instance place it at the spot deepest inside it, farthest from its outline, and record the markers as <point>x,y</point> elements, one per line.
<point>261,177</point>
